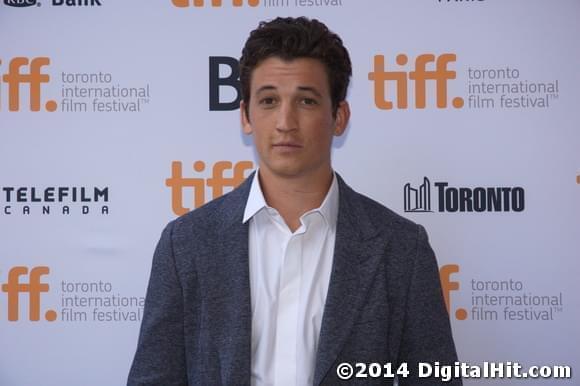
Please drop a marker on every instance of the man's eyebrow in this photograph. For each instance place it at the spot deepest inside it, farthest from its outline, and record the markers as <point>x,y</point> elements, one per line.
<point>301,88</point>
<point>265,88</point>
<point>311,89</point>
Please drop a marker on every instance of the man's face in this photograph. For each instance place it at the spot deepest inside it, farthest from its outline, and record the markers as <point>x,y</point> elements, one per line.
<point>290,116</point>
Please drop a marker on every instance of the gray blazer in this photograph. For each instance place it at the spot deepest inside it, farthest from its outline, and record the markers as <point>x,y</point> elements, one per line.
<point>384,301</point>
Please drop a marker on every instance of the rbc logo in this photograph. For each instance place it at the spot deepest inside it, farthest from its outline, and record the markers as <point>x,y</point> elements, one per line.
<point>15,77</point>
<point>216,182</point>
<point>214,3</point>
<point>420,75</point>
<point>20,3</point>
<point>13,287</point>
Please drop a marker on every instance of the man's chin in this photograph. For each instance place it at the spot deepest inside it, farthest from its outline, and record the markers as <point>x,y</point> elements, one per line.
<point>284,169</point>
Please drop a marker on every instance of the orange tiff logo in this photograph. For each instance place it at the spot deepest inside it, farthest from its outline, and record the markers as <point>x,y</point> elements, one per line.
<point>448,286</point>
<point>217,182</point>
<point>13,287</point>
<point>214,3</point>
<point>32,76</point>
<point>420,75</point>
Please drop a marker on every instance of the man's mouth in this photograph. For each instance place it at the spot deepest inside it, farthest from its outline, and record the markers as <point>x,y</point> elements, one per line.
<point>287,145</point>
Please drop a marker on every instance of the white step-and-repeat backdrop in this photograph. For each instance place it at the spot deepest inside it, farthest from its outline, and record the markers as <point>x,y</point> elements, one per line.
<point>118,116</point>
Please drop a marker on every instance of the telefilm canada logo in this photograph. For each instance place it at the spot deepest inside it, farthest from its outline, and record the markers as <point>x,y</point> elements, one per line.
<point>256,3</point>
<point>55,3</point>
<point>453,199</point>
<point>69,91</point>
<point>224,174</point>
<point>28,290</point>
<point>54,200</point>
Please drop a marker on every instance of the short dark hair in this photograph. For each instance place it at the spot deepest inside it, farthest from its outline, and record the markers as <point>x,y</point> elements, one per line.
<point>290,38</point>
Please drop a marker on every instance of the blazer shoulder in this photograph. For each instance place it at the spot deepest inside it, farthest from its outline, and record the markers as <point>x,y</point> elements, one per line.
<point>382,217</point>
<point>216,214</point>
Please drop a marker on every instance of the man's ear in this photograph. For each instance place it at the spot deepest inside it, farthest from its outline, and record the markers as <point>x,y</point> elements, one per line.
<point>342,117</point>
<point>246,126</point>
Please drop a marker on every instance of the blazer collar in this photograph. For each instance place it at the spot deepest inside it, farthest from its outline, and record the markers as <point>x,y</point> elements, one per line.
<point>351,213</point>
<point>328,208</point>
<point>357,252</point>
<point>231,212</point>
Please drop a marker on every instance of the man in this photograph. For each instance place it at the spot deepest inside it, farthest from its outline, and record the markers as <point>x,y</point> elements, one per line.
<point>292,273</point>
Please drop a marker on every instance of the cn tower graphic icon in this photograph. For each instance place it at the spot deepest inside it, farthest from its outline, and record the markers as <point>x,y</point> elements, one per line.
<point>418,200</point>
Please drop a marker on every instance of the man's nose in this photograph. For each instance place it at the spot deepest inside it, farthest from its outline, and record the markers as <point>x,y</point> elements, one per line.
<point>286,120</point>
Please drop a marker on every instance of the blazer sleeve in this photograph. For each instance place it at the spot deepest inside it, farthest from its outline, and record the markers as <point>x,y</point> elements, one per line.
<point>160,356</point>
<point>426,332</point>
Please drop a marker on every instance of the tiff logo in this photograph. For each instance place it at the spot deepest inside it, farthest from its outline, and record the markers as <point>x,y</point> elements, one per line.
<point>418,200</point>
<point>214,3</point>
<point>217,182</point>
<point>420,75</point>
<point>34,78</point>
<point>448,286</point>
<point>13,287</point>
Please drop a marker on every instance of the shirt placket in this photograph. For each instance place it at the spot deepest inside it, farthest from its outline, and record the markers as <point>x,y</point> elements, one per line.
<point>287,313</point>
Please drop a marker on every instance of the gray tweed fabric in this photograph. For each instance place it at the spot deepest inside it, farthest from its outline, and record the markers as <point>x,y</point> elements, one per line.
<point>384,304</point>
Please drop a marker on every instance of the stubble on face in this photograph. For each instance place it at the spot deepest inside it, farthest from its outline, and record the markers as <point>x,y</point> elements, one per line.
<point>290,116</point>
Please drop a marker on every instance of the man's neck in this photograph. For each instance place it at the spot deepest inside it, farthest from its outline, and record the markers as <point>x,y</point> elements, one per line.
<point>294,196</point>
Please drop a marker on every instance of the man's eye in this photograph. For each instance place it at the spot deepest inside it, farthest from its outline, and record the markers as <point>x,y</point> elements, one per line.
<point>267,101</point>
<point>309,101</point>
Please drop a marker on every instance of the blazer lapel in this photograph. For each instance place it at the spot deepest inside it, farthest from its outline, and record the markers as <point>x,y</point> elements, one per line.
<point>230,319</point>
<point>352,272</point>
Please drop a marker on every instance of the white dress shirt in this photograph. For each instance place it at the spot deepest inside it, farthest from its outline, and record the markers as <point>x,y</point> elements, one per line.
<point>289,276</point>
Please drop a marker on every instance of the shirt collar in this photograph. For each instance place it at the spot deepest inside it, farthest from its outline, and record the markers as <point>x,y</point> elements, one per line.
<point>328,208</point>
<point>256,201</point>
